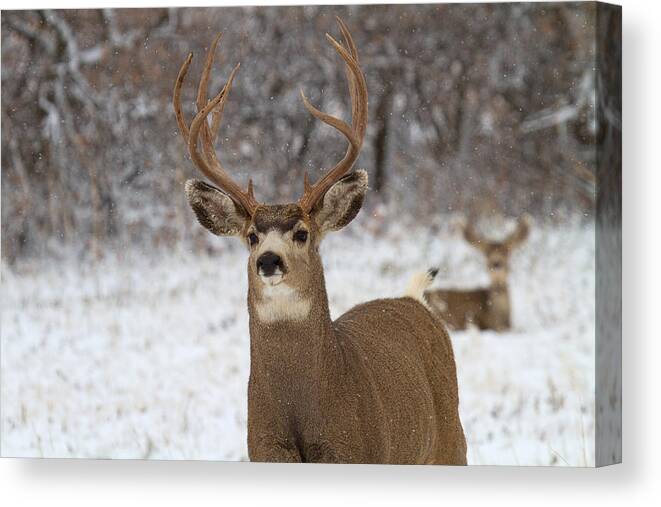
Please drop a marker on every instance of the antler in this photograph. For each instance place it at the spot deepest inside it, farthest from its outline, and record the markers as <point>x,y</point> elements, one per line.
<point>354,133</point>
<point>207,161</point>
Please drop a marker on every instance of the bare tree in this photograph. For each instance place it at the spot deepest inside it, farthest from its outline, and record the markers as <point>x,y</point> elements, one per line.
<point>469,104</point>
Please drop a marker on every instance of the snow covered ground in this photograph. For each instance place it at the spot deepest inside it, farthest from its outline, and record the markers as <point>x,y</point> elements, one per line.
<point>150,358</point>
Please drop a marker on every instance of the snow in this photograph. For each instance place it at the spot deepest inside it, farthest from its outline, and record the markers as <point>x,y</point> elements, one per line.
<point>149,358</point>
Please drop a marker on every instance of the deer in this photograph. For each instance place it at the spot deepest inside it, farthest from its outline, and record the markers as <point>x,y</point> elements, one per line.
<point>376,385</point>
<point>489,307</point>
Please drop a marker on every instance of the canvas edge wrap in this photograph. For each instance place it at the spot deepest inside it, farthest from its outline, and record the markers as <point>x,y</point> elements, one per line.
<point>608,240</point>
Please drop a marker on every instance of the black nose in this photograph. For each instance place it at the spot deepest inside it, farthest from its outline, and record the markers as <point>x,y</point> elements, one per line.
<point>267,263</point>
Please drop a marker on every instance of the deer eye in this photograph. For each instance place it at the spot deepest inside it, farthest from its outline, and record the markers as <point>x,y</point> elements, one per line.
<point>253,239</point>
<point>301,236</point>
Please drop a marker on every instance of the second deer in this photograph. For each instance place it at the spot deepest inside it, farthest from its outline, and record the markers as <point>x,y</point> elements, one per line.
<point>488,307</point>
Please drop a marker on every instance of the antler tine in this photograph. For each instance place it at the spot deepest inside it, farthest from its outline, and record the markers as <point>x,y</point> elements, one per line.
<point>217,114</point>
<point>176,97</point>
<point>354,132</point>
<point>347,37</point>
<point>209,134</point>
<point>201,100</point>
<point>208,162</point>
<point>348,40</point>
<point>331,120</point>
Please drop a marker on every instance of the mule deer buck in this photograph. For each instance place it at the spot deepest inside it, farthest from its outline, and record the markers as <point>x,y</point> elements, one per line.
<point>487,308</point>
<point>376,385</point>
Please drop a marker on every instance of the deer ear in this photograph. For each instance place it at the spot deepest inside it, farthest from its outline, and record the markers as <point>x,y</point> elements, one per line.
<point>520,233</point>
<point>473,237</point>
<point>216,211</point>
<point>341,203</point>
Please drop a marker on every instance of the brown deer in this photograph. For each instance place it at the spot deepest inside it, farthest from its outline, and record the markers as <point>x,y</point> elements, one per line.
<point>487,308</point>
<point>376,385</point>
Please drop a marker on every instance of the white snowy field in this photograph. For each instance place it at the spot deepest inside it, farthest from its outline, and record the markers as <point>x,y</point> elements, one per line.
<point>150,358</point>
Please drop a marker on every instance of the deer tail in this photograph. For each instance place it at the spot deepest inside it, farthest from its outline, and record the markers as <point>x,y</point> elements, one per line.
<point>420,282</point>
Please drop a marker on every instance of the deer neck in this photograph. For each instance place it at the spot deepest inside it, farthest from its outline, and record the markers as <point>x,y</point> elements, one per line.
<point>499,288</point>
<point>499,297</point>
<point>295,353</point>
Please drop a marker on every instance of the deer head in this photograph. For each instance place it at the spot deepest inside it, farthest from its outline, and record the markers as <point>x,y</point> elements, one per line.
<point>498,253</point>
<point>284,266</point>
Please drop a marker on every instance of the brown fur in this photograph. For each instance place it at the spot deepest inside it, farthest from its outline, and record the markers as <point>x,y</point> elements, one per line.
<point>489,307</point>
<point>485,308</point>
<point>377,385</point>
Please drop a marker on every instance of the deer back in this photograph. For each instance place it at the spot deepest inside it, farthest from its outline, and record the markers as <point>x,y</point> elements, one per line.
<point>402,364</point>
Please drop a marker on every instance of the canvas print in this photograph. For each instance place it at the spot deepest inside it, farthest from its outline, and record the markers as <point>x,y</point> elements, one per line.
<point>384,234</point>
